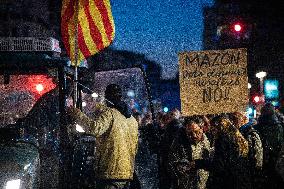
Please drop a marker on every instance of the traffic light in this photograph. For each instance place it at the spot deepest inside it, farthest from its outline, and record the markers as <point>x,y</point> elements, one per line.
<point>237,27</point>
<point>256,99</point>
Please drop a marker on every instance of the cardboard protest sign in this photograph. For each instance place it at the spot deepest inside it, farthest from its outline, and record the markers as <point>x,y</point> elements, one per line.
<point>213,82</point>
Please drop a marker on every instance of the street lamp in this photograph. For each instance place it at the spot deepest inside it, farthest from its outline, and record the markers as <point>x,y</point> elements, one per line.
<point>260,76</point>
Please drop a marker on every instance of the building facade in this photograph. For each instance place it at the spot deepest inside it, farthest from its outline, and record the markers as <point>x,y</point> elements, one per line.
<point>260,31</point>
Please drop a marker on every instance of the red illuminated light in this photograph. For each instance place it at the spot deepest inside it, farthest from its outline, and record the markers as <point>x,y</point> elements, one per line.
<point>40,84</point>
<point>237,27</point>
<point>256,99</point>
<point>39,88</point>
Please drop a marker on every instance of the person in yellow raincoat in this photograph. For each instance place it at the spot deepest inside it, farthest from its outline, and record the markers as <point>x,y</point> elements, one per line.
<point>117,140</point>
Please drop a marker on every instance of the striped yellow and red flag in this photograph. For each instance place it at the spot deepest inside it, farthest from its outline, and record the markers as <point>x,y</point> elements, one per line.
<point>88,24</point>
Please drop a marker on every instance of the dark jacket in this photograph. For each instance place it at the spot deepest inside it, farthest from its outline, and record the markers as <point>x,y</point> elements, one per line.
<point>280,117</point>
<point>165,144</point>
<point>281,109</point>
<point>280,163</point>
<point>271,134</point>
<point>168,137</point>
<point>182,152</point>
<point>255,156</point>
<point>227,169</point>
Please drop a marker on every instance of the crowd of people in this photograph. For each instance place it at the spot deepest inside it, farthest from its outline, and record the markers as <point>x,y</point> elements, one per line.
<point>195,152</point>
<point>216,151</point>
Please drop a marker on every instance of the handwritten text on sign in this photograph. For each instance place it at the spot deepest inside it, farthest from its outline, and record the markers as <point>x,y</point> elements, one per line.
<point>213,82</point>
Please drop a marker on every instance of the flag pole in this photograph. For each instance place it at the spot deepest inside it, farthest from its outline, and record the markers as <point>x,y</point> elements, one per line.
<point>76,55</point>
<point>65,144</point>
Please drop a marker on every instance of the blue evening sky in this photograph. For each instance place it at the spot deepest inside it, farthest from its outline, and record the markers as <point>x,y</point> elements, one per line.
<point>159,28</point>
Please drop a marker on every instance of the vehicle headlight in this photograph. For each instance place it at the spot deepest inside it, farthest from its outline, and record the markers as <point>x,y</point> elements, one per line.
<point>13,184</point>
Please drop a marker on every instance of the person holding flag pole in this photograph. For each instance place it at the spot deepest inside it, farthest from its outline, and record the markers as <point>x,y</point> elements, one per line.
<point>87,27</point>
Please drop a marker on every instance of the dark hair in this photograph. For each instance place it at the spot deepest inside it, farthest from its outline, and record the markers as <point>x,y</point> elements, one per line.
<point>193,119</point>
<point>267,109</point>
<point>113,93</point>
<point>189,121</point>
<point>216,120</point>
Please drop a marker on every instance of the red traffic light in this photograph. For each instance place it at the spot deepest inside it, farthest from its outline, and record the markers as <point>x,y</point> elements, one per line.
<point>256,99</point>
<point>238,27</point>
